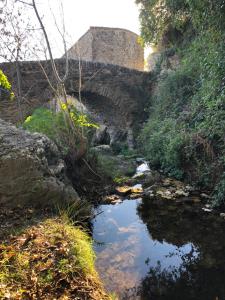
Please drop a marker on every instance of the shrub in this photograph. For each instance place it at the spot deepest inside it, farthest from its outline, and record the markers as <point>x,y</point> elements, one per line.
<point>44,121</point>
<point>5,86</point>
<point>185,132</point>
<point>56,127</point>
<point>174,92</point>
<point>163,145</point>
<point>4,83</point>
<point>122,148</point>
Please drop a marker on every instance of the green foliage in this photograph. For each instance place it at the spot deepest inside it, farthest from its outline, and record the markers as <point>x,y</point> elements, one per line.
<point>174,92</point>
<point>158,16</point>
<point>44,121</point>
<point>120,180</point>
<point>80,245</point>
<point>185,132</point>
<point>56,127</point>
<point>81,120</point>
<point>165,135</point>
<point>123,149</point>
<point>163,143</point>
<point>4,83</point>
<point>161,17</point>
<point>76,213</point>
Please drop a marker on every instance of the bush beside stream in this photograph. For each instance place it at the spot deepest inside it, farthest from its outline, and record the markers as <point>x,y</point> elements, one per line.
<point>185,132</point>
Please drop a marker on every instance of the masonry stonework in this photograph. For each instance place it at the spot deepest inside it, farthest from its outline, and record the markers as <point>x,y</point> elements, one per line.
<point>115,96</point>
<point>111,46</point>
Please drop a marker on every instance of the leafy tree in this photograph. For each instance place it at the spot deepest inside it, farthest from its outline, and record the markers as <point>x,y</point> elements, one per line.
<point>159,16</point>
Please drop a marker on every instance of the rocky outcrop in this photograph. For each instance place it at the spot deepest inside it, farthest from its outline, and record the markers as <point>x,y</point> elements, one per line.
<point>31,171</point>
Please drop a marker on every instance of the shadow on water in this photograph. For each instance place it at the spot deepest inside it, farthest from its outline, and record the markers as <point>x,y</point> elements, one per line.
<point>197,277</point>
<point>161,252</point>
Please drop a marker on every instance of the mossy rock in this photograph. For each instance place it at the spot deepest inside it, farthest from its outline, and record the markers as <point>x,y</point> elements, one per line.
<point>111,165</point>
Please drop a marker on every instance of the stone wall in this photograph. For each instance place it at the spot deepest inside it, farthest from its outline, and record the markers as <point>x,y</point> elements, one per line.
<point>83,48</point>
<point>110,45</point>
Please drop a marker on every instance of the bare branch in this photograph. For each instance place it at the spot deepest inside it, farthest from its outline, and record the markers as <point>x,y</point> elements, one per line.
<point>62,34</point>
<point>23,2</point>
<point>56,74</point>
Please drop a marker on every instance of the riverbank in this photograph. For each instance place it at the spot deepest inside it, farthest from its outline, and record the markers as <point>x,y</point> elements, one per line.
<point>41,252</point>
<point>52,259</point>
<point>55,258</point>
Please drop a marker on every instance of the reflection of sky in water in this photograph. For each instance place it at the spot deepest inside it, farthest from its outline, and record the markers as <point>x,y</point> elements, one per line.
<point>124,243</point>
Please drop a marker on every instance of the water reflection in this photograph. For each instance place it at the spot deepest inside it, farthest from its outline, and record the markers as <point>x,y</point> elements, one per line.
<point>160,251</point>
<point>197,277</point>
<point>191,281</point>
<point>125,249</point>
<point>182,224</point>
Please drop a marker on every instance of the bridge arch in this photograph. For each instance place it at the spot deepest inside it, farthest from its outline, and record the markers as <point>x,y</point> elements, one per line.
<point>116,93</point>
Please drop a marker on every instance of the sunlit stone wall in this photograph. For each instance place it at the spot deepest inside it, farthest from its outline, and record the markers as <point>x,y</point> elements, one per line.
<point>111,46</point>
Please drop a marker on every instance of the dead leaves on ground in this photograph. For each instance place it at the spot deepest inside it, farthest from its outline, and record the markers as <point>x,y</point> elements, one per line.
<point>38,265</point>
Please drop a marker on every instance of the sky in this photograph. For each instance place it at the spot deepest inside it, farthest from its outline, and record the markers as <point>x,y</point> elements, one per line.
<point>79,15</point>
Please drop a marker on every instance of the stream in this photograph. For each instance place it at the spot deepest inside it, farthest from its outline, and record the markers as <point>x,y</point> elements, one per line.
<point>147,250</point>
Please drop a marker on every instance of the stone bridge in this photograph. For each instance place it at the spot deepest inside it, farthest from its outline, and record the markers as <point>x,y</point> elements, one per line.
<point>115,95</point>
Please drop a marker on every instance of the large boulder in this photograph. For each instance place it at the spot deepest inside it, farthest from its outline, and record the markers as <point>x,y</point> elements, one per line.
<point>31,170</point>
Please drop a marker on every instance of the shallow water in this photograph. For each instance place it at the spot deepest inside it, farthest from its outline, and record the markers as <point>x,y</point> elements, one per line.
<point>147,252</point>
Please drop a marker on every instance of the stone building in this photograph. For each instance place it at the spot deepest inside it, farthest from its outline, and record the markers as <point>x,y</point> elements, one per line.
<point>111,46</point>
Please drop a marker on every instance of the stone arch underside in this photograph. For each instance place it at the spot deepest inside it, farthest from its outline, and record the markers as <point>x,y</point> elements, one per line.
<point>104,112</point>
